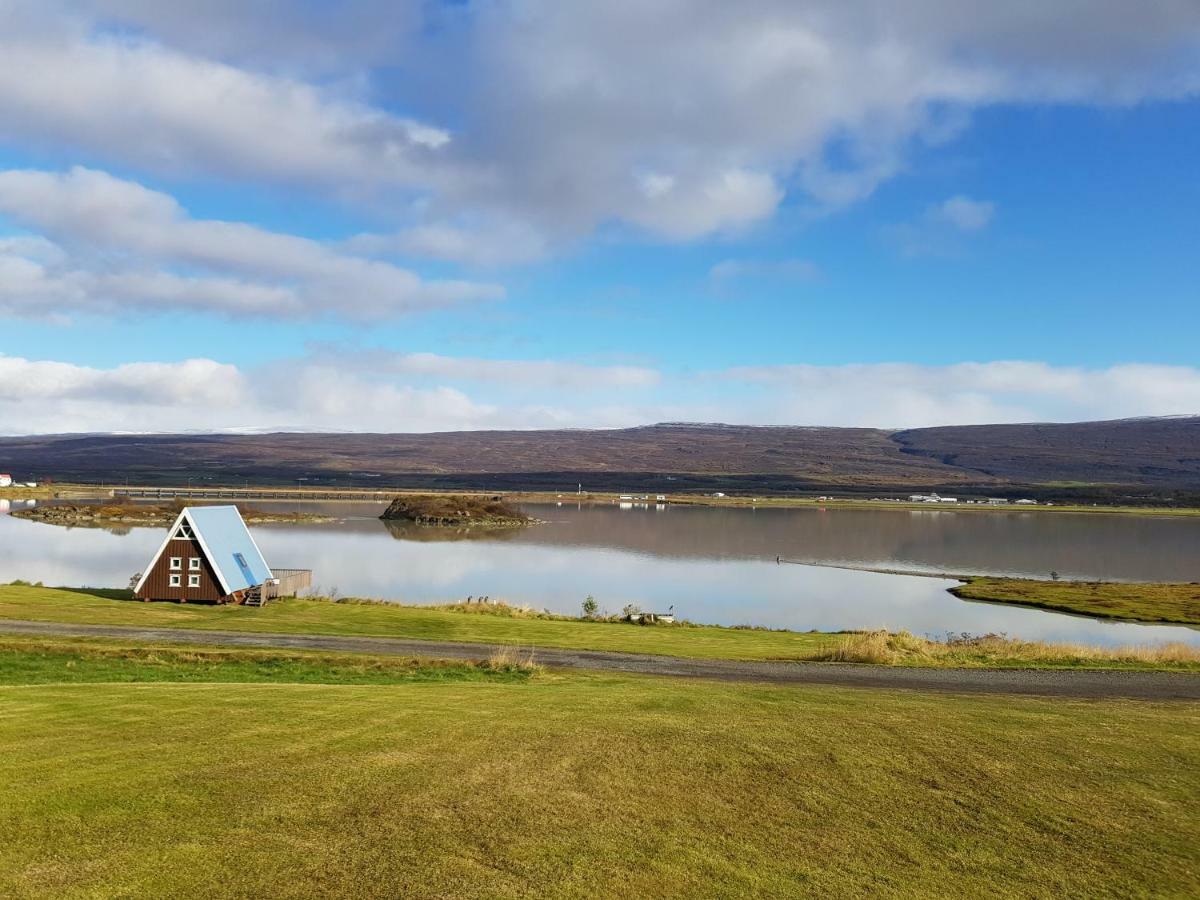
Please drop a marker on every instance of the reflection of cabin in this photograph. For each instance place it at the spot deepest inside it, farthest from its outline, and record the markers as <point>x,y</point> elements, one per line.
<point>208,555</point>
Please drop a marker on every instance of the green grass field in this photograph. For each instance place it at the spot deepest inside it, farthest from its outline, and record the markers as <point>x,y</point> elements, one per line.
<point>77,661</point>
<point>1175,603</point>
<point>295,616</point>
<point>574,786</point>
<point>516,628</point>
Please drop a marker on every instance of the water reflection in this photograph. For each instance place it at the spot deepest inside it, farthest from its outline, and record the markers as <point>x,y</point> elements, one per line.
<point>712,565</point>
<point>407,531</point>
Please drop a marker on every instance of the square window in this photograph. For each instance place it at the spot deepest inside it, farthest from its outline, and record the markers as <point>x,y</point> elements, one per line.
<point>176,562</point>
<point>194,564</point>
<point>193,581</point>
<point>174,581</point>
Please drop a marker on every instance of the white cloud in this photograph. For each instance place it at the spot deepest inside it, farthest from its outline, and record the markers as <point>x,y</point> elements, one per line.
<point>418,393</point>
<point>139,102</point>
<point>315,38</point>
<point>681,117</point>
<point>684,209</point>
<point>547,375</point>
<point>54,397</point>
<point>902,395</point>
<point>72,388</point>
<point>728,270</point>
<point>942,227</point>
<point>487,243</point>
<point>966,214</point>
<point>117,243</point>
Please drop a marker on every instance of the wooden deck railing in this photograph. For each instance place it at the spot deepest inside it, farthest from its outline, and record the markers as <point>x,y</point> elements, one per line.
<point>291,582</point>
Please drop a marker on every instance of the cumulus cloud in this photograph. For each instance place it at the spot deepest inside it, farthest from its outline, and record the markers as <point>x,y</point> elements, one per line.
<point>683,118</point>
<point>200,394</point>
<point>134,100</point>
<point>685,208</point>
<point>424,392</point>
<point>109,243</point>
<point>45,389</point>
<point>475,243</point>
<point>313,38</point>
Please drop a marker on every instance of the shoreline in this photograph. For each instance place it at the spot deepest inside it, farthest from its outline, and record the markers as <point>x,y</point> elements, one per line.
<point>68,516</point>
<point>1132,602</point>
<point>386,495</point>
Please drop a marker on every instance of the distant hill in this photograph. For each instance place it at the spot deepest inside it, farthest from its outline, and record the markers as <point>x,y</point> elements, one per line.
<point>1133,457</point>
<point>1152,452</point>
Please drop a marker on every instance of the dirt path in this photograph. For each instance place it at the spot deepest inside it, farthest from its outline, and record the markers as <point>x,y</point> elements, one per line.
<point>1043,682</point>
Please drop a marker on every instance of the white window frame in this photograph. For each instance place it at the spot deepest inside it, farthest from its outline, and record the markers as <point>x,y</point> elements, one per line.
<point>176,563</point>
<point>194,564</point>
<point>175,580</point>
<point>193,581</point>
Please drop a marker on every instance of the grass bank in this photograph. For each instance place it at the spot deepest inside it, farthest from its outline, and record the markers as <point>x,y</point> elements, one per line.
<point>38,661</point>
<point>498,624</point>
<point>477,624</point>
<point>1163,603</point>
<point>588,786</point>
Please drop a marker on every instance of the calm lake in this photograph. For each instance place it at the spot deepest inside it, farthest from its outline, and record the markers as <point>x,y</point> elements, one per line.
<point>711,564</point>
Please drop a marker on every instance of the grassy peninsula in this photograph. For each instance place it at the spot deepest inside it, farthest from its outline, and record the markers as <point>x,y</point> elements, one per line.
<point>1161,603</point>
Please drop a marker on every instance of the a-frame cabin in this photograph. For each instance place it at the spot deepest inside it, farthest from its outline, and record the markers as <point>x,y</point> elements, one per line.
<point>208,555</point>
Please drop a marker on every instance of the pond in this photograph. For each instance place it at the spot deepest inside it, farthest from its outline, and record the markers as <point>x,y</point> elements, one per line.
<point>710,564</point>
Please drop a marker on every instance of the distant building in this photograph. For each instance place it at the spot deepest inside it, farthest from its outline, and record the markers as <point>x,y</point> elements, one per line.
<point>5,479</point>
<point>997,501</point>
<point>1027,503</point>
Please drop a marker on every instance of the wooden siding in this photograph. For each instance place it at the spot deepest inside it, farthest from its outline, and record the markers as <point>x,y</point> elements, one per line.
<point>157,585</point>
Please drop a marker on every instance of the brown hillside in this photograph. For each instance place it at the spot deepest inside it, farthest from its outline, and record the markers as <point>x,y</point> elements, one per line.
<point>1162,455</point>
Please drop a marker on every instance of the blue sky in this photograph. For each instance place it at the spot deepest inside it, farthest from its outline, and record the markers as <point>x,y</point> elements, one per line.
<point>387,216</point>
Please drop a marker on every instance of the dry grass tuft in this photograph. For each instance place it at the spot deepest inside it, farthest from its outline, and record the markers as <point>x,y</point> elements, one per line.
<point>512,659</point>
<point>889,648</point>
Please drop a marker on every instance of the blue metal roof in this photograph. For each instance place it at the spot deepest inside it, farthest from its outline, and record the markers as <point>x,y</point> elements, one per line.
<point>230,548</point>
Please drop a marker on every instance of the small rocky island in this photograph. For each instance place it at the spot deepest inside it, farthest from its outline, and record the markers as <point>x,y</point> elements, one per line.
<point>103,515</point>
<point>455,511</point>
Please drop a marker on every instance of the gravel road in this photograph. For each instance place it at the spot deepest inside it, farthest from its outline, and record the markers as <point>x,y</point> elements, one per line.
<point>1040,682</point>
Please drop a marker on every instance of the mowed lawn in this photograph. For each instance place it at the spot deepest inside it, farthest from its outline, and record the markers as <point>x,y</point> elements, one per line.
<point>589,786</point>
<point>297,616</point>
